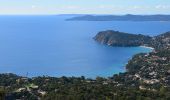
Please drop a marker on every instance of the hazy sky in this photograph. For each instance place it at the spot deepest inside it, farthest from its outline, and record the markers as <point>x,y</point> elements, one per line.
<point>84,7</point>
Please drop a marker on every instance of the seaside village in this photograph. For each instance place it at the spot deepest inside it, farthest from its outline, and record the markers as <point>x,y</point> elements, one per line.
<point>156,72</point>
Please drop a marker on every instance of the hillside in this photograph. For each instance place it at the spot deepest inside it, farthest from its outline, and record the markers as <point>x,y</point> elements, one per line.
<point>161,41</point>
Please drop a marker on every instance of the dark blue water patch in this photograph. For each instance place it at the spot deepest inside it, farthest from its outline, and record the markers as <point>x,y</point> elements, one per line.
<point>49,45</point>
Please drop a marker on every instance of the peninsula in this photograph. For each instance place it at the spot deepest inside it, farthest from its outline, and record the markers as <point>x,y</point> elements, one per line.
<point>116,38</point>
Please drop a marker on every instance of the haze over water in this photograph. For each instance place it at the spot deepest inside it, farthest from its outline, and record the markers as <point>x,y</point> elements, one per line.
<point>49,45</point>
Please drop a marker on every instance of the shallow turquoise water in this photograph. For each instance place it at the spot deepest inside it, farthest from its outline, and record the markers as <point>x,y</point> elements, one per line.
<point>48,45</point>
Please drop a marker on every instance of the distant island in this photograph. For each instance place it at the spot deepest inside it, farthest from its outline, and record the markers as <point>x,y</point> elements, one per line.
<point>147,76</point>
<point>127,17</point>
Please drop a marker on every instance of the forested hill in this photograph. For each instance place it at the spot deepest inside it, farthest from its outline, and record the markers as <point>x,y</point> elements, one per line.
<point>128,17</point>
<point>115,38</point>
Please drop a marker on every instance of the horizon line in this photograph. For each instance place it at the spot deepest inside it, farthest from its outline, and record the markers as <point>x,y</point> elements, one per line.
<point>72,14</point>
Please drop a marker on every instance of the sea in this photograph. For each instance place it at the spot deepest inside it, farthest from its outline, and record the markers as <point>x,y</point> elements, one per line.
<point>48,45</point>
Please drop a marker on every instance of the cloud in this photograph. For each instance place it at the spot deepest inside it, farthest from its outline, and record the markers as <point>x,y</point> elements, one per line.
<point>162,6</point>
<point>94,8</point>
<point>33,6</point>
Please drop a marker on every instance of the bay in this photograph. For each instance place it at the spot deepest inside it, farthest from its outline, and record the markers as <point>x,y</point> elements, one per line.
<point>49,45</point>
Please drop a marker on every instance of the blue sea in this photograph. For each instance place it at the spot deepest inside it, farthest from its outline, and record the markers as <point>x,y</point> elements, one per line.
<point>49,45</point>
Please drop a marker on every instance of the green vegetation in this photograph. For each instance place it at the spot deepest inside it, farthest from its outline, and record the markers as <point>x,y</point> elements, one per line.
<point>2,93</point>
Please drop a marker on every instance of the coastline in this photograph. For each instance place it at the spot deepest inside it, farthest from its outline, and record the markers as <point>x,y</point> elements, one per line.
<point>147,47</point>
<point>124,67</point>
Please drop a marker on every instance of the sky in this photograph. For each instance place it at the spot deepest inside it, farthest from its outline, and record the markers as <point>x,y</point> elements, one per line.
<point>50,7</point>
